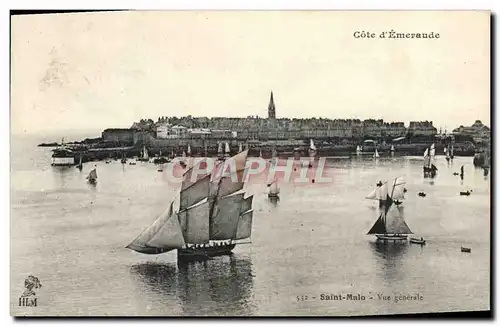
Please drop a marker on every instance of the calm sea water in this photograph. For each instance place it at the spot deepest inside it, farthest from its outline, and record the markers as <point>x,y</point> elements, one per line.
<point>312,242</point>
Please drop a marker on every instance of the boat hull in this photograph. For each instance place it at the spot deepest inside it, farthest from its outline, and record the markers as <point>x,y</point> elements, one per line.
<point>417,241</point>
<point>204,253</point>
<point>63,161</point>
<point>391,237</point>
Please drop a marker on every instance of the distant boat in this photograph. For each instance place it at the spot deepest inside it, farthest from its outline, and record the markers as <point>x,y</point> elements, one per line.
<point>463,249</point>
<point>80,165</point>
<point>358,150</point>
<point>465,193</point>
<point>189,150</point>
<point>92,177</point>
<point>390,226</point>
<point>392,148</point>
<point>274,190</point>
<point>312,148</point>
<point>161,159</point>
<point>429,160</point>
<point>211,209</point>
<point>63,156</point>
<point>124,158</point>
<point>220,152</point>
<point>376,155</point>
<point>260,152</point>
<point>144,157</point>
<point>240,148</point>
<point>447,153</point>
<point>227,150</point>
<point>160,169</point>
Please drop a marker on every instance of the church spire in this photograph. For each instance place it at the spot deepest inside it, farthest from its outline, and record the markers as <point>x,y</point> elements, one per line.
<point>271,109</point>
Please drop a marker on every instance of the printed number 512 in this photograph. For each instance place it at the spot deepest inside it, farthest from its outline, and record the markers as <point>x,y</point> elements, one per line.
<point>302,298</point>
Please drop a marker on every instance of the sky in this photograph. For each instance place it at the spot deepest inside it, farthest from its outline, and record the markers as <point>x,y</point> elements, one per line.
<point>91,71</point>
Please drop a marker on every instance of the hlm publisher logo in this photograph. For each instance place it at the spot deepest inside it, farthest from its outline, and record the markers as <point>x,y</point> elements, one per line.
<point>28,298</point>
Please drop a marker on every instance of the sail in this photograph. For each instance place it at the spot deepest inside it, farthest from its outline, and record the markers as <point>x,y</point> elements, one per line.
<point>374,194</point>
<point>192,193</point>
<point>398,187</point>
<point>358,149</point>
<point>169,236</point>
<point>189,150</point>
<point>376,154</point>
<point>231,165</point>
<point>379,226</point>
<point>92,175</point>
<point>227,148</point>
<point>392,148</point>
<point>244,229</point>
<point>194,222</point>
<point>312,147</point>
<point>219,150</point>
<point>260,152</point>
<point>240,149</point>
<point>231,184</point>
<point>225,217</point>
<point>383,192</point>
<point>188,175</point>
<point>145,154</point>
<point>140,244</point>
<point>395,223</point>
<point>273,189</point>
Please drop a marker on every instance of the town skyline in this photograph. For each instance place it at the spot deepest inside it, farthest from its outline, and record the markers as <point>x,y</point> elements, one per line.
<point>99,70</point>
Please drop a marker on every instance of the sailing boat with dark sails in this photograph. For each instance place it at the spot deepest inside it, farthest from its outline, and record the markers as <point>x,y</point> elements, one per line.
<point>211,209</point>
<point>390,226</point>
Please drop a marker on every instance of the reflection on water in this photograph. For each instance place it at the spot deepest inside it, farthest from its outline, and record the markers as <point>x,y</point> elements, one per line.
<point>389,257</point>
<point>220,286</point>
<point>274,201</point>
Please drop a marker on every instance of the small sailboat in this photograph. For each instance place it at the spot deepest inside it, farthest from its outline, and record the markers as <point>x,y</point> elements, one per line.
<point>144,157</point>
<point>390,226</point>
<point>80,165</point>
<point>92,177</point>
<point>376,155</point>
<point>429,160</point>
<point>240,148</point>
<point>213,215</point>
<point>220,152</point>
<point>274,190</point>
<point>189,150</point>
<point>392,150</point>
<point>227,151</point>
<point>183,160</point>
<point>358,150</point>
<point>260,152</point>
<point>312,148</point>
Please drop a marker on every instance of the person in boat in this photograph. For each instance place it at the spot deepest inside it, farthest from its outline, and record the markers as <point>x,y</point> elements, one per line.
<point>379,184</point>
